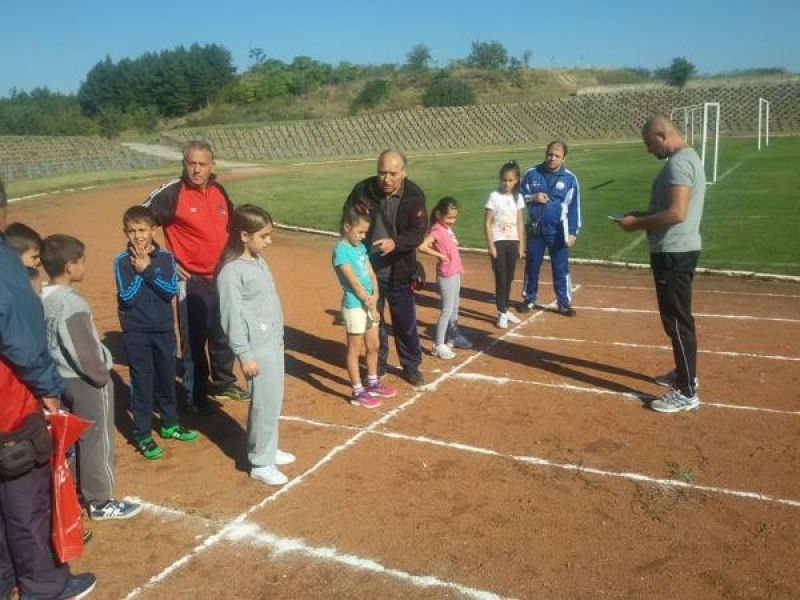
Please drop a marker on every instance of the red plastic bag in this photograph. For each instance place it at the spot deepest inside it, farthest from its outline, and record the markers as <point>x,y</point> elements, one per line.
<point>67,531</point>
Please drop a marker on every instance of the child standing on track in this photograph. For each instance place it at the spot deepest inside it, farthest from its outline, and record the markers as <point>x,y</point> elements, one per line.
<point>359,305</point>
<point>253,321</point>
<point>504,229</point>
<point>147,281</point>
<point>441,242</point>
<point>84,364</point>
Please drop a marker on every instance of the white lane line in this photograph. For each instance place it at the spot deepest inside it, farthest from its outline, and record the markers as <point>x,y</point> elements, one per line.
<point>695,291</point>
<point>601,392</point>
<point>253,534</point>
<point>704,315</point>
<point>543,462</point>
<point>731,354</point>
<point>580,468</point>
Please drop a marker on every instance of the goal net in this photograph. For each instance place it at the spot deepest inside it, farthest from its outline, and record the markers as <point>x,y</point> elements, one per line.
<point>700,126</point>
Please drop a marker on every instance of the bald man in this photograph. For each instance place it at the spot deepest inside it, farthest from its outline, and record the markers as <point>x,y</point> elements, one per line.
<point>399,224</point>
<point>672,223</point>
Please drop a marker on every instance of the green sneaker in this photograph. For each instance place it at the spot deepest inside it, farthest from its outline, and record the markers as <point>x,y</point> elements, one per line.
<point>149,449</point>
<point>178,432</point>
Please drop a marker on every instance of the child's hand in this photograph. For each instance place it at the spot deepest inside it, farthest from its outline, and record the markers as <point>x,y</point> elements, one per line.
<point>250,368</point>
<point>140,259</point>
<point>492,251</point>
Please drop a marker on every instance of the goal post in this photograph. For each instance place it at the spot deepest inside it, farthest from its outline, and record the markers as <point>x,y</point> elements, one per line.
<point>763,122</point>
<point>700,126</point>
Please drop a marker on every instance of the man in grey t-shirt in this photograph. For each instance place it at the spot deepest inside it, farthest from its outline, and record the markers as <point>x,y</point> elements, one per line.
<point>673,231</point>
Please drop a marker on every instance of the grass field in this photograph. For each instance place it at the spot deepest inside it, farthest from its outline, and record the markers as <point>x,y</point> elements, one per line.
<point>751,219</point>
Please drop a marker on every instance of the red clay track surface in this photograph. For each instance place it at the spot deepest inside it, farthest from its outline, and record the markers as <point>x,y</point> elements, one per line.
<point>529,467</point>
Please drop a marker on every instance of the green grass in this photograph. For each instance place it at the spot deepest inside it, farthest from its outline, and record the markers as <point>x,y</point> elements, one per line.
<point>751,221</point>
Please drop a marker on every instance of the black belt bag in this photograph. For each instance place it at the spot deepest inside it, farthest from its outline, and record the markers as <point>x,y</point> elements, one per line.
<point>21,450</point>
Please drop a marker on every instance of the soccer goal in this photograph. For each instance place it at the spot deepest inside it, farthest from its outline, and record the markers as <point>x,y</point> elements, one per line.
<point>763,122</point>
<point>700,126</point>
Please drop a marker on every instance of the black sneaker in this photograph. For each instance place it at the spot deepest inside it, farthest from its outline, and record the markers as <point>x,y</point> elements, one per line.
<point>525,307</point>
<point>232,392</point>
<point>413,376</point>
<point>78,586</point>
<point>566,311</point>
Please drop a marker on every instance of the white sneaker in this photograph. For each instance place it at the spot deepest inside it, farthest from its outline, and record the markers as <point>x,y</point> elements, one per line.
<point>284,458</point>
<point>512,318</point>
<point>443,351</point>
<point>269,475</point>
<point>502,321</point>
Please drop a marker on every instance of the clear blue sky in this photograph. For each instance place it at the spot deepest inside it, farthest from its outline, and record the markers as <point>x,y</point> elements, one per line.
<point>54,43</point>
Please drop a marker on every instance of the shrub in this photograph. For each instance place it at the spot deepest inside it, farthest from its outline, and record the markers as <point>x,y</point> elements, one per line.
<point>448,92</point>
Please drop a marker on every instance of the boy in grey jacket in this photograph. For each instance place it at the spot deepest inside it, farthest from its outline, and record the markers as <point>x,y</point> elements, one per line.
<point>84,364</point>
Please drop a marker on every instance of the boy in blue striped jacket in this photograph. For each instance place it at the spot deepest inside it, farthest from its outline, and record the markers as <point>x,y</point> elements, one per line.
<point>146,279</point>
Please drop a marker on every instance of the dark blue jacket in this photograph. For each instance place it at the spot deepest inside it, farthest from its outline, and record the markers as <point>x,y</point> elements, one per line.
<point>144,300</point>
<point>23,341</point>
<point>562,212</point>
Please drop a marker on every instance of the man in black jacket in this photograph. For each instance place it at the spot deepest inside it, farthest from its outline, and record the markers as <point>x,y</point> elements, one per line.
<point>399,224</point>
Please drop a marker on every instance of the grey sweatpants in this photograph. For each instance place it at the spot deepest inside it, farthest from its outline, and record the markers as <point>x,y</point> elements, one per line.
<point>266,392</point>
<point>449,289</point>
<point>96,445</point>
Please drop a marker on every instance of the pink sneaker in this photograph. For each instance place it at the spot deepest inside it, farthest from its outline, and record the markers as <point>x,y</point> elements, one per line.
<point>378,390</point>
<point>363,398</point>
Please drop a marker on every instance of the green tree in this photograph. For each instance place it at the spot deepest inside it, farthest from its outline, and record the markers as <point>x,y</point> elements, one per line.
<point>418,58</point>
<point>488,55</point>
<point>373,93</point>
<point>678,73</point>
<point>445,91</point>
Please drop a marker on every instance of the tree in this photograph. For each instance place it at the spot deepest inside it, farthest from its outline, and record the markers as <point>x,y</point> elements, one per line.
<point>257,56</point>
<point>488,55</point>
<point>445,91</point>
<point>418,58</point>
<point>679,72</point>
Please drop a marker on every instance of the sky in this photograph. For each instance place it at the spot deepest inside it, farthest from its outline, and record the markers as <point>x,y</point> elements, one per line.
<point>54,43</point>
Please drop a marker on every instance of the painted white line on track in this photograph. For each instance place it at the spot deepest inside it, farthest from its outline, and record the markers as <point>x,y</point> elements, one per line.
<point>253,534</point>
<point>601,392</point>
<point>213,539</point>
<point>580,468</point>
<point>704,315</point>
<point>695,290</point>
<point>727,353</point>
<point>543,462</point>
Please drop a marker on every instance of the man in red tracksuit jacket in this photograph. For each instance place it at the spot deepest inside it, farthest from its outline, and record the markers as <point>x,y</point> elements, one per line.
<point>194,212</point>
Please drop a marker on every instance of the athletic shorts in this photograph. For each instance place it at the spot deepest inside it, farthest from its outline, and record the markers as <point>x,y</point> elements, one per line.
<point>356,320</point>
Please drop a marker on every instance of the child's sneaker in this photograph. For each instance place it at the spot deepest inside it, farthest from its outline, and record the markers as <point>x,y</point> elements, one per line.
<point>113,509</point>
<point>232,392</point>
<point>512,318</point>
<point>178,432</point>
<point>148,447</point>
<point>284,458</point>
<point>362,397</point>
<point>378,390</point>
<point>502,321</point>
<point>269,475</point>
<point>443,351</point>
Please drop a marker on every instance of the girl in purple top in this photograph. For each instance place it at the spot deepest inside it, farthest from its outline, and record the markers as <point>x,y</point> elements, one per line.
<point>441,242</point>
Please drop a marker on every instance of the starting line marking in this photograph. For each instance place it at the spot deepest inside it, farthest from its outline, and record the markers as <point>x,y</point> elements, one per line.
<point>601,392</point>
<point>704,315</point>
<point>550,338</point>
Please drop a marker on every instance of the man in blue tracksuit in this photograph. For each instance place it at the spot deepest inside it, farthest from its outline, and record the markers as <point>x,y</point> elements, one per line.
<point>552,201</point>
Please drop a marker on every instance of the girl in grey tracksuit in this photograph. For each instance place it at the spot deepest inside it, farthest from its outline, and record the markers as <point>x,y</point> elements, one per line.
<point>253,321</point>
